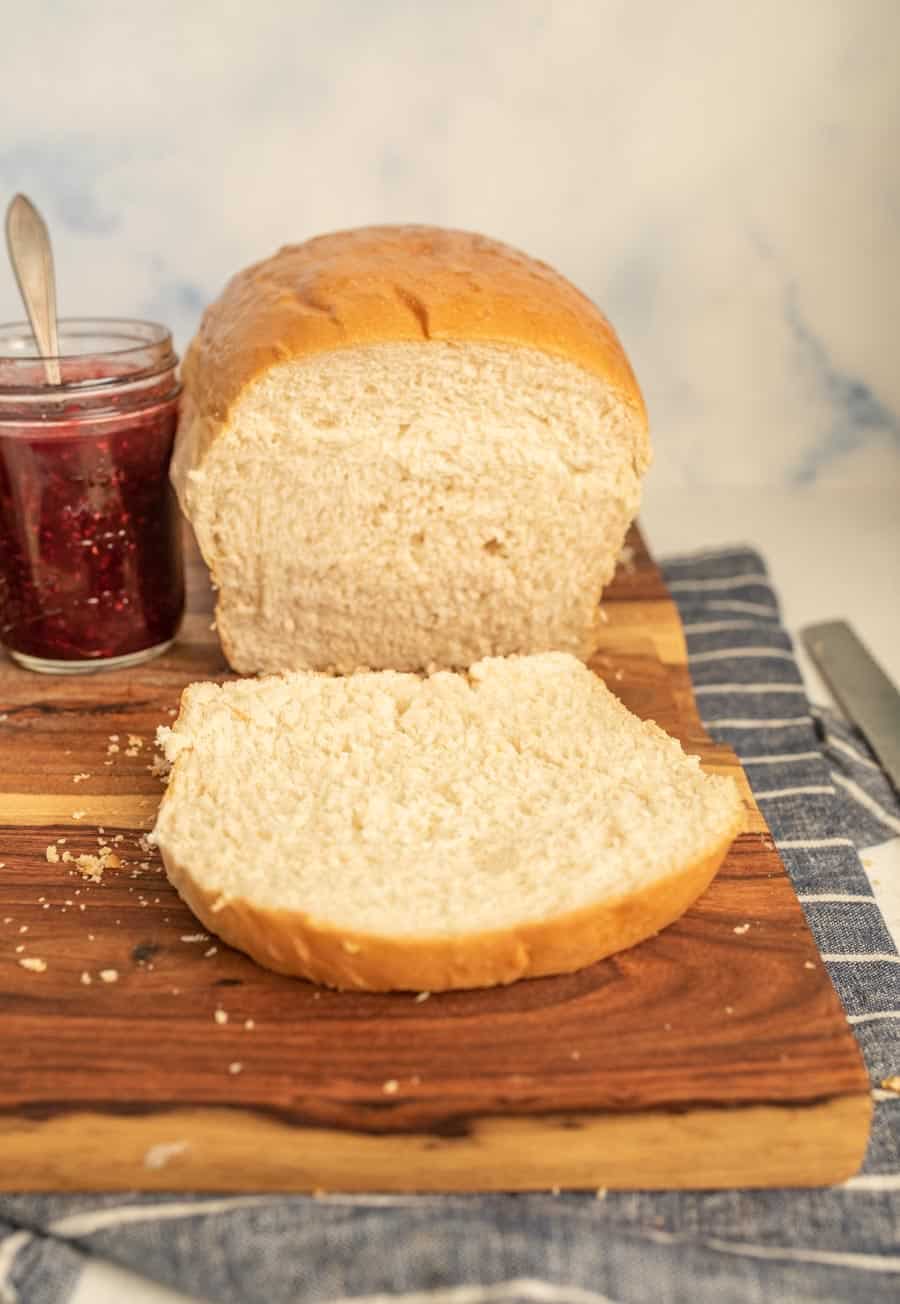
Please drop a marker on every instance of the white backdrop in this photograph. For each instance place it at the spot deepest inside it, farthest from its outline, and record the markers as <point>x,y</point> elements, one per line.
<point>722,179</point>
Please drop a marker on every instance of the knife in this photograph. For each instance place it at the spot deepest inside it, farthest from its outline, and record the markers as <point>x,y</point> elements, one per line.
<point>862,689</point>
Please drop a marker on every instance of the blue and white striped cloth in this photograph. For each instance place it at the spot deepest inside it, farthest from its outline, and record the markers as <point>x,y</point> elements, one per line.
<point>832,813</point>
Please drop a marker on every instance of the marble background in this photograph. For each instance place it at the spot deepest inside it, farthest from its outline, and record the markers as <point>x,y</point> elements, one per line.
<point>722,179</point>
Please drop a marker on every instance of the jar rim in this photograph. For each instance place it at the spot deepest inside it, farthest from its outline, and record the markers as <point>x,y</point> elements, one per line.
<point>140,336</point>
<point>106,363</point>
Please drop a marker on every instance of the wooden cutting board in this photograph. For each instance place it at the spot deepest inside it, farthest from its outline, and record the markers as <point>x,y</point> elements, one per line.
<point>146,1055</point>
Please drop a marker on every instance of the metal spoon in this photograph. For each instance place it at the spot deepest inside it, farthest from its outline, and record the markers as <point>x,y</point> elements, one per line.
<point>31,256</point>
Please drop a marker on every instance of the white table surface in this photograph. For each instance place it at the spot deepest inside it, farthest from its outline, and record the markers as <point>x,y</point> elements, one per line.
<point>832,554</point>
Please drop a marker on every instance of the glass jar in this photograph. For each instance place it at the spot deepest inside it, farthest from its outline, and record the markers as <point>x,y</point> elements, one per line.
<point>91,571</point>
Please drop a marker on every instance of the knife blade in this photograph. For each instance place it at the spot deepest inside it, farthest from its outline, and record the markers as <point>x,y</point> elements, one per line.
<point>863,690</point>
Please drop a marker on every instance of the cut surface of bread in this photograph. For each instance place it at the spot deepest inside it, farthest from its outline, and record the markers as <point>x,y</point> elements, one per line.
<point>402,447</point>
<point>401,505</point>
<point>389,831</point>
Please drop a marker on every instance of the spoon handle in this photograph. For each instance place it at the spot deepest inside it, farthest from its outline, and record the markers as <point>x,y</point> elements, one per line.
<point>32,258</point>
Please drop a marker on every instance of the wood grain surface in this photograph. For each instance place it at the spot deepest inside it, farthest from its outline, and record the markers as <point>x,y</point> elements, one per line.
<point>142,1054</point>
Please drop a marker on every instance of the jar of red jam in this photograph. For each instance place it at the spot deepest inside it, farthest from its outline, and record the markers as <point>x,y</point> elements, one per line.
<point>91,574</point>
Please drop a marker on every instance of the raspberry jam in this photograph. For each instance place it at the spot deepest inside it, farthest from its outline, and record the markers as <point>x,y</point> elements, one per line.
<point>91,572</point>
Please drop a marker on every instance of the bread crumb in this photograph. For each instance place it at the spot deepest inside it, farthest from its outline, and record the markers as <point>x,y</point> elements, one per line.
<point>34,964</point>
<point>235,1067</point>
<point>219,904</point>
<point>23,928</point>
<point>159,1155</point>
<point>195,937</point>
<point>60,842</point>
<point>391,1087</point>
<point>221,1016</point>
<point>93,867</point>
<point>20,948</point>
<point>52,854</point>
<point>729,1009</point>
<point>109,975</point>
<point>113,738</point>
<point>80,778</point>
<point>808,964</point>
<point>212,950</point>
<point>112,749</point>
<point>249,1025</point>
<point>604,617</point>
<point>131,751</point>
<point>600,1193</point>
<point>135,740</point>
<point>422,996</point>
<point>575,1054</point>
<point>892,1083</point>
<point>86,978</point>
<point>741,928</point>
<point>352,948</point>
<point>78,814</point>
<point>619,675</point>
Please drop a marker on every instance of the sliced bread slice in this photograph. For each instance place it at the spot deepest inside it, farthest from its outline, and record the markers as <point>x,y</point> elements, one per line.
<point>389,831</point>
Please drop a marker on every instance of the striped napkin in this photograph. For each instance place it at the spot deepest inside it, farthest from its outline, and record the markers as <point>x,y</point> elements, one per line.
<point>836,820</point>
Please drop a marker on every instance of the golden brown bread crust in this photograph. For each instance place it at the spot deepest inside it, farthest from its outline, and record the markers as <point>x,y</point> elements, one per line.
<point>291,943</point>
<point>383,284</point>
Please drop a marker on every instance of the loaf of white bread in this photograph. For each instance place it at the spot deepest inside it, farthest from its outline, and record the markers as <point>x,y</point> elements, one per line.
<point>404,447</point>
<point>387,830</point>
